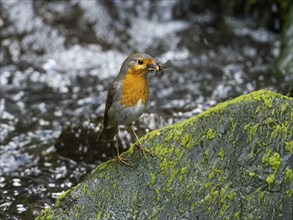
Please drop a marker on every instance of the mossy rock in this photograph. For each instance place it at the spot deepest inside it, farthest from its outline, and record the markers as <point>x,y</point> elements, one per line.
<point>233,161</point>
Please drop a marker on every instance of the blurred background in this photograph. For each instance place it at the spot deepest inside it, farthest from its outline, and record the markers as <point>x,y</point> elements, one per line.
<point>58,59</point>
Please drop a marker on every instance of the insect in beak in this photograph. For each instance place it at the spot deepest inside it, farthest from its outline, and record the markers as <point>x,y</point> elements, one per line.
<point>161,66</point>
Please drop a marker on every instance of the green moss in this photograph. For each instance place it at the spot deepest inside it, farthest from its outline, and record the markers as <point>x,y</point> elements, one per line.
<point>226,199</point>
<point>265,158</point>
<point>223,192</point>
<point>101,169</point>
<point>154,134</point>
<point>155,213</point>
<point>194,205</point>
<point>289,175</point>
<point>84,190</point>
<point>233,126</point>
<point>179,131</point>
<point>205,157</point>
<point>207,185</point>
<point>63,195</point>
<point>268,101</point>
<point>135,197</point>
<point>270,180</point>
<point>246,127</point>
<point>258,108</point>
<point>222,179</point>
<point>277,130</point>
<point>153,179</point>
<point>252,131</point>
<point>103,174</point>
<point>161,151</point>
<point>232,195</point>
<point>259,191</point>
<point>251,174</point>
<point>170,136</point>
<point>251,154</point>
<point>214,172</point>
<point>114,186</point>
<point>183,170</point>
<point>134,213</point>
<point>211,134</point>
<point>289,147</point>
<point>100,215</point>
<point>236,215</point>
<point>269,121</point>
<point>77,214</point>
<point>157,192</point>
<point>187,141</point>
<point>289,193</point>
<point>178,152</point>
<point>284,107</point>
<point>224,209</point>
<point>275,161</point>
<point>174,173</point>
<point>167,166</point>
<point>47,214</point>
<point>212,196</point>
<point>221,154</point>
<point>284,129</point>
<point>212,175</point>
<point>207,153</point>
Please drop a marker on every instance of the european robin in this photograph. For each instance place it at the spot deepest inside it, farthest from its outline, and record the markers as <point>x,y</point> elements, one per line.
<point>128,97</point>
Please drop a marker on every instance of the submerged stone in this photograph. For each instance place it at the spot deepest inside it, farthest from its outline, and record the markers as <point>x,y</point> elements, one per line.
<point>230,162</point>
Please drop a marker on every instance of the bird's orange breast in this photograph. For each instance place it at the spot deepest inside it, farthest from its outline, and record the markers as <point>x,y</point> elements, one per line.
<point>134,89</point>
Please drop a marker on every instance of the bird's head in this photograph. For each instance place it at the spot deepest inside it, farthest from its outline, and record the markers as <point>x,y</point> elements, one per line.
<point>140,64</point>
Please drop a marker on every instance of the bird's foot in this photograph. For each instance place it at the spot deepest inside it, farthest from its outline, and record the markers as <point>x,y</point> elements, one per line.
<point>122,160</point>
<point>142,150</point>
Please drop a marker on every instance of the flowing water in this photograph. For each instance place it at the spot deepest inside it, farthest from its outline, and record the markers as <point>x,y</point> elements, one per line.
<point>58,59</point>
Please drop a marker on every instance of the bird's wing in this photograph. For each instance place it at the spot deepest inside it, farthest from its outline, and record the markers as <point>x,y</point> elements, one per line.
<point>109,102</point>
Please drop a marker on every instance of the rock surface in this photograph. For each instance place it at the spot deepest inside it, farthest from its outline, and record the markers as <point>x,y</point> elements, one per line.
<point>233,161</point>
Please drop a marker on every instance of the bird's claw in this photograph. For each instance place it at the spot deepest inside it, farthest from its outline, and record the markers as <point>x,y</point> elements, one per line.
<point>122,160</point>
<point>143,151</point>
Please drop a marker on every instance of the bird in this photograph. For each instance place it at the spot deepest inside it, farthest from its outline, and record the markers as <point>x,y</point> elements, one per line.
<point>128,98</point>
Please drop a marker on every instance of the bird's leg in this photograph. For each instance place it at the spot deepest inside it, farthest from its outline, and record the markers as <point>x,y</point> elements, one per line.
<point>139,144</point>
<point>118,157</point>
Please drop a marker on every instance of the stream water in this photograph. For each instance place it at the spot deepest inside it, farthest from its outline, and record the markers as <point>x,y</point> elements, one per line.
<point>58,59</point>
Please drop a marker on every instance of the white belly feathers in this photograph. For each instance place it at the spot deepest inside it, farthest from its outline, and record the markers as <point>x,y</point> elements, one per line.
<point>119,115</point>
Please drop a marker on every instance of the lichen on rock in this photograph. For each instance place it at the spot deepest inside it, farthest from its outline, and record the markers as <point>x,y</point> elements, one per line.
<point>233,161</point>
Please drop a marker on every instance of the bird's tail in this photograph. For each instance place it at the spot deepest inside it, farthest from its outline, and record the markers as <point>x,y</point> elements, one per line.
<point>107,135</point>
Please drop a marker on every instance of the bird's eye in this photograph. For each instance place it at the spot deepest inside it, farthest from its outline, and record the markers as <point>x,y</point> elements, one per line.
<point>140,62</point>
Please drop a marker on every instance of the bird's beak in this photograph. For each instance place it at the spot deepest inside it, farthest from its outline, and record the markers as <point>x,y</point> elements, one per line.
<point>153,67</point>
